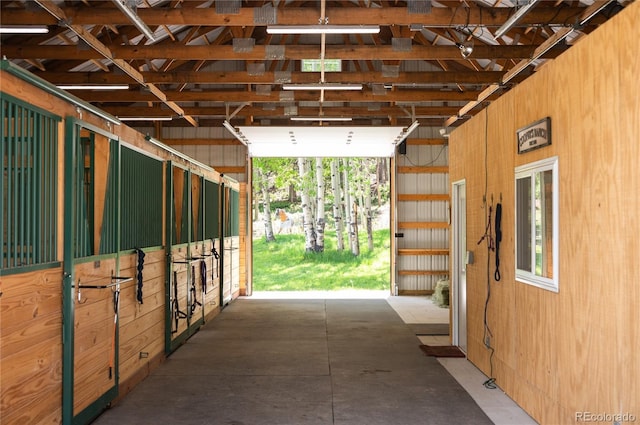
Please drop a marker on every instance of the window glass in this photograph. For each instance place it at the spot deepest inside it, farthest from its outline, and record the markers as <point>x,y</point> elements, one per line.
<point>524,223</point>
<point>536,214</point>
<point>313,65</point>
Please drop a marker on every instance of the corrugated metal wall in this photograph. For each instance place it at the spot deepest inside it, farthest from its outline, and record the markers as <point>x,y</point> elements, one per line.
<point>418,272</point>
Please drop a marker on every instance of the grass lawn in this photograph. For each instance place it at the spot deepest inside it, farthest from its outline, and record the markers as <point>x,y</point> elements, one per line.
<point>283,265</point>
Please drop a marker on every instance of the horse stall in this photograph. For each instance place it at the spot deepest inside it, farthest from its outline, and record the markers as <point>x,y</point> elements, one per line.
<point>115,250</point>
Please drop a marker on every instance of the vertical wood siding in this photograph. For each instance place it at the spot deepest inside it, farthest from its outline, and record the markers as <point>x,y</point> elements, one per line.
<point>575,350</point>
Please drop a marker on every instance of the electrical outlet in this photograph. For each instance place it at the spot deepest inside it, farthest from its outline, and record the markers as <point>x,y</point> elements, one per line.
<point>487,341</point>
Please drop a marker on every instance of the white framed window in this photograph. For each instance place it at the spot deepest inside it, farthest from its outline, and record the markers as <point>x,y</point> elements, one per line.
<point>536,212</point>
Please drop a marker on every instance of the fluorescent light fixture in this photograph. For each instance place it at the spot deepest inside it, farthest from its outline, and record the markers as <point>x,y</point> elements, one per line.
<point>93,86</point>
<point>513,20</point>
<point>24,29</point>
<point>165,118</point>
<point>123,5</point>
<point>323,29</point>
<point>322,86</point>
<point>321,119</point>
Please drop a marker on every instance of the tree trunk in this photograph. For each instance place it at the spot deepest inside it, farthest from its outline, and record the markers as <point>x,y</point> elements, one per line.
<point>320,222</point>
<point>367,210</point>
<point>381,177</point>
<point>266,214</point>
<point>256,208</point>
<point>347,202</point>
<point>337,201</point>
<point>292,194</point>
<point>355,247</point>
<point>309,233</point>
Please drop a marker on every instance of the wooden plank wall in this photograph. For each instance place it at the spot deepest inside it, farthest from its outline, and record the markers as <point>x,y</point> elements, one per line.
<point>212,298</point>
<point>236,252</point>
<point>31,347</point>
<point>141,324</point>
<point>31,303</point>
<point>179,280</point>
<point>573,351</point>
<point>31,307</point>
<point>244,261</point>
<point>93,333</point>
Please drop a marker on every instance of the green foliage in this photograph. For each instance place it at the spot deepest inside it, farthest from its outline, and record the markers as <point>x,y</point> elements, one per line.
<point>279,174</point>
<point>285,205</point>
<point>283,265</point>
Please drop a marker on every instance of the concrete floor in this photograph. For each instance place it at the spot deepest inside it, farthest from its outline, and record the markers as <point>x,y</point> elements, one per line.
<point>320,361</point>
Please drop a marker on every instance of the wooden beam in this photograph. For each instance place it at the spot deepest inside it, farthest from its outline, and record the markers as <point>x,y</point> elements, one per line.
<point>415,292</point>
<point>104,52</point>
<point>422,251</point>
<point>220,112</point>
<point>427,142</point>
<point>229,169</point>
<point>423,170</point>
<point>274,97</point>
<point>201,142</point>
<point>423,197</point>
<point>423,225</point>
<point>241,77</point>
<point>422,272</point>
<point>386,16</point>
<point>297,52</point>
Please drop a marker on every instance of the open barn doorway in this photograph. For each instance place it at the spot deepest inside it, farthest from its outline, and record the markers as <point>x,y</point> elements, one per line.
<point>321,225</point>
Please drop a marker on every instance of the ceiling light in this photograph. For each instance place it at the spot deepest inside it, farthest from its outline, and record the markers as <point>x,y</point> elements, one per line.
<point>321,119</point>
<point>513,20</point>
<point>159,118</point>
<point>124,7</point>
<point>466,48</point>
<point>24,29</point>
<point>93,86</point>
<point>323,29</point>
<point>322,86</point>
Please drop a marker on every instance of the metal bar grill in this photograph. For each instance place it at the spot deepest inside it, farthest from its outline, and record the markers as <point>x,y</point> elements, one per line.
<point>28,184</point>
<point>212,210</point>
<point>108,231</point>
<point>141,207</point>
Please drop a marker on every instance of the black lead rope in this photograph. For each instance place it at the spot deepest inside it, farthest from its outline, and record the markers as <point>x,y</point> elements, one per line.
<point>112,355</point>
<point>140,266</point>
<point>177,314</point>
<point>203,275</point>
<point>217,257</point>
<point>194,293</point>
<point>498,239</point>
<point>487,233</point>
